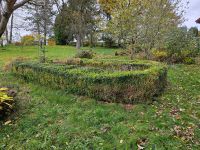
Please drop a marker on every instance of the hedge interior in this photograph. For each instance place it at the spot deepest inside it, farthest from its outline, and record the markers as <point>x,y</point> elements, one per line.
<point>106,80</point>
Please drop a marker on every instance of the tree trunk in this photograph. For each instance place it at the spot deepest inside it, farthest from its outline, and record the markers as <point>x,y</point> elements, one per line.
<point>7,39</point>
<point>11,29</point>
<point>38,29</point>
<point>1,42</point>
<point>91,40</point>
<point>8,8</point>
<point>4,22</point>
<point>45,36</point>
<point>132,48</point>
<point>45,22</point>
<point>78,41</point>
<point>38,23</point>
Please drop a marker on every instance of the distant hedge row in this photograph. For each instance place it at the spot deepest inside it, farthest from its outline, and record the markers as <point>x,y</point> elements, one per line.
<point>112,81</point>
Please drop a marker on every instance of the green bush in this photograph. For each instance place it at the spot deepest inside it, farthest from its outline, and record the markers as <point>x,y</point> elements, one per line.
<point>189,60</point>
<point>185,56</point>
<point>109,41</point>
<point>180,46</point>
<point>111,81</point>
<point>179,40</point>
<point>85,54</point>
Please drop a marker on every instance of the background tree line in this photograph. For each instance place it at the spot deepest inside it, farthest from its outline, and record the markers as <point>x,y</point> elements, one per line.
<point>135,25</point>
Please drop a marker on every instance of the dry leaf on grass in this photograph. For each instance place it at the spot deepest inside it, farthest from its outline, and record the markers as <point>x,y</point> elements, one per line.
<point>8,122</point>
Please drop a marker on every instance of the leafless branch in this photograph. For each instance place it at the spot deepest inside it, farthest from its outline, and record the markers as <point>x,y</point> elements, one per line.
<point>20,4</point>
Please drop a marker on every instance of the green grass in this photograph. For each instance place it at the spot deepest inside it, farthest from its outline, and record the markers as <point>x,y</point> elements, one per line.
<point>53,119</point>
<point>52,52</point>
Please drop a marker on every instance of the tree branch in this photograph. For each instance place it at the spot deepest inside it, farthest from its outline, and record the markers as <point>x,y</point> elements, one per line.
<point>16,6</point>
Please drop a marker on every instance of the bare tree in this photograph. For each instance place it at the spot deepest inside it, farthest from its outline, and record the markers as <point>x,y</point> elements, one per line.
<point>7,7</point>
<point>40,14</point>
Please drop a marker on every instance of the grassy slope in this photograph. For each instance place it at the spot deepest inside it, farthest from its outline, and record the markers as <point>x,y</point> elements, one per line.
<point>53,119</point>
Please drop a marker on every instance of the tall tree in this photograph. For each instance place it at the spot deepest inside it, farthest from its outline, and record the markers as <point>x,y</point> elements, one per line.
<point>40,17</point>
<point>83,14</point>
<point>144,23</point>
<point>194,31</point>
<point>7,7</point>
<point>107,6</point>
<point>62,28</point>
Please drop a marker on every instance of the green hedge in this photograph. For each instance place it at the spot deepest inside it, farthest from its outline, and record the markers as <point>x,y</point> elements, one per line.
<point>107,80</point>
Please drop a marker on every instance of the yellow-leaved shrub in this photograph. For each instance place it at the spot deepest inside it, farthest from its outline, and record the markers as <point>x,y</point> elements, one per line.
<point>51,42</point>
<point>159,55</point>
<point>28,40</point>
<point>6,102</point>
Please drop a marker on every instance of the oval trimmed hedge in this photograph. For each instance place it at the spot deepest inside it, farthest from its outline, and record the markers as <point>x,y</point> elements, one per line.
<point>121,81</point>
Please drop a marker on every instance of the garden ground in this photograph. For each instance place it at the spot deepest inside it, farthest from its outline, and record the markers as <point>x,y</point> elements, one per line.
<point>53,119</point>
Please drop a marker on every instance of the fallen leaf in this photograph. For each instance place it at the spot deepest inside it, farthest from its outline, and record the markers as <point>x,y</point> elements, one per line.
<point>121,141</point>
<point>7,122</point>
<point>141,143</point>
<point>128,106</point>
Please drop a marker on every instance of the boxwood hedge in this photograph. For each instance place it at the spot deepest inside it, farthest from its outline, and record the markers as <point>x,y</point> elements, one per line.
<point>121,81</point>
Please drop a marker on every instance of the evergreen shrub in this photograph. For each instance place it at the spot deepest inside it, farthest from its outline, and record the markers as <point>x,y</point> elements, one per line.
<point>121,81</point>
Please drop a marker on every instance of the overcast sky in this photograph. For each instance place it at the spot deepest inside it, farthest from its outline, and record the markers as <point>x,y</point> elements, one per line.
<point>193,13</point>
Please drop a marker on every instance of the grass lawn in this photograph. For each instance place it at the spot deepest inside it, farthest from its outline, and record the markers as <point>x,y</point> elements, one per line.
<point>52,52</point>
<point>53,119</point>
